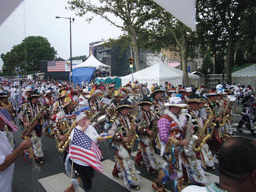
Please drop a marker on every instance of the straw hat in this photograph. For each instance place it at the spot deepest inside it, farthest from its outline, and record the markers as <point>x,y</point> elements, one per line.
<point>175,102</point>
<point>124,104</point>
<point>157,89</point>
<point>146,101</point>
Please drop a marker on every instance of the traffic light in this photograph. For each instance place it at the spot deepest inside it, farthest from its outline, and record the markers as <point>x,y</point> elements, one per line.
<point>131,62</point>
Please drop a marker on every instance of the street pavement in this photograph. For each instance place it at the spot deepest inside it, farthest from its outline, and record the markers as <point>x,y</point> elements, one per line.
<point>51,176</point>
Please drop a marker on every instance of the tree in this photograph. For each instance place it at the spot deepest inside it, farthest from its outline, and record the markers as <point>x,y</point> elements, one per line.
<point>28,54</point>
<point>222,20</point>
<point>219,65</point>
<point>207,66</point>
<point>239,57</point>
<point>127,10</point>
<point>159,29</point>
<point>83,57</point>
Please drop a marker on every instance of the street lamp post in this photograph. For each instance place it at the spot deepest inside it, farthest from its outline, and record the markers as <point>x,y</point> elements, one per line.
<point>70,19</point>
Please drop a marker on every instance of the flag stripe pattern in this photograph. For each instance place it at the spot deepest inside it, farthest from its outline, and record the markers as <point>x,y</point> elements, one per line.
<point>56,66</point>
<point>84,149</point>
<point>6,117</point>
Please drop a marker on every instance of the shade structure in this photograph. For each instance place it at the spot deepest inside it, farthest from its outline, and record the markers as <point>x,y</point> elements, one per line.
<point>158,74</point>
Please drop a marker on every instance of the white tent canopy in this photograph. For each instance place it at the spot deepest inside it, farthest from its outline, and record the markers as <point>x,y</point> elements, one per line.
<point>93,63</point>
<point>158,73</point>
<point>246,72</point>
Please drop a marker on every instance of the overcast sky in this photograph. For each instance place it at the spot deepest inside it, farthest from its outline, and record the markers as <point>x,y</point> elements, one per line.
<point>37,18</point>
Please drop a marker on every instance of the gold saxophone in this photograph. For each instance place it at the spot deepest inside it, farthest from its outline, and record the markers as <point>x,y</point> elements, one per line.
<point>202,136</point>
<point>62,145</point>
<point>132,136</point>
<point>32,124</point>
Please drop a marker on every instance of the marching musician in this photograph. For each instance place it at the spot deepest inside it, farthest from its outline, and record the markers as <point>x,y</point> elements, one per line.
<point>63,122</point>
<point>82,96</point>
<point>147,131</point>
<point>172,140</point>
<point>48,102</point>
<point>111,90</point>
<point>31,115</point>
<point>124,135</point>
<point>158,103</point>
<point>57,106</point>
<point>25,95</point>
<point>196,174</point>
<point>4,103</point>
<point>217,139</point>
<point>207,157</point>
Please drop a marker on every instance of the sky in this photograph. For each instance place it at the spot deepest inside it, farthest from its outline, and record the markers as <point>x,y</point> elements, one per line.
<point>37,18</point>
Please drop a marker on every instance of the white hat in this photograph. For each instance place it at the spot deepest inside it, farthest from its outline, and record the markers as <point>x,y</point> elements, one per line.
<point>86,90</point>
<point>175,101</point>
<point>47,92</point>
<point>80,116</point>
<point>189,89</point>
<point>28,88</point>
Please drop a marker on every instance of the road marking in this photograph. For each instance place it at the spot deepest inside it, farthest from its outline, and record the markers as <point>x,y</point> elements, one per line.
<point>108,165</point>
<point>211,177</point>
<point>57,183</point>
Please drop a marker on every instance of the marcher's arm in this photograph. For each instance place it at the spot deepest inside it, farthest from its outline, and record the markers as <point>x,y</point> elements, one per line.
<point>9,159</point>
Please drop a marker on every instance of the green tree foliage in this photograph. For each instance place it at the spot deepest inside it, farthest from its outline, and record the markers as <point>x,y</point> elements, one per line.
<point>28,54</point>
<point>83,57</point>
<point>207,64</point>
<point>160,30</point>
<point>220,23</point>
<point>219,65</point>
<point>59,59</point>
<point>239,57</point>
<point>128,11</point>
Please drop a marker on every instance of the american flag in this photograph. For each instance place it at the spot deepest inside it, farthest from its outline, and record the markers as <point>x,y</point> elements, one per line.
<point>56,66</point>
<point>84,149</point>
<point>7,118</point>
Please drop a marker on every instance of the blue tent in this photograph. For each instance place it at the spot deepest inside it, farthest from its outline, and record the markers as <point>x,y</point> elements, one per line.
<point>80,74</point>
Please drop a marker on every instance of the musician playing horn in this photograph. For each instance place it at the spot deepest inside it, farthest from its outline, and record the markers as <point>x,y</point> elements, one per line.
<point>158,103</point>
<point>62,122</point>
<point>147,131</point>
<point>29,111</point>
<point>172,140</point>
<point>123,131</point>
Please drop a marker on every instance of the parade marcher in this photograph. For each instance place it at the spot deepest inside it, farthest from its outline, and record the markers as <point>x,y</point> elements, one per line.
<point>25,95</point>
<point>83,94</point>
<point>111,109</point>
<point>148,134</point>
<point>158,103</point>
<point>237,167</point>
<point>193,121</point>
<point>4,103</point>
<point>7,157</point>
<point>207,157</point>
<point>181,93</point>
<point>111,90</point>
<point>124,135</point>
<point>64,123</point>
<point>31,115</point>
<point>217,137</point>
<point>248,116</point>
<point>171,134</point>
<point>48,102</point>
<point>83,169</point>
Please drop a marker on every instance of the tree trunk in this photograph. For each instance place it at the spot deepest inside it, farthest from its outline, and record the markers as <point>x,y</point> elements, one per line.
<point>230,57</point>
<point>135,50</point>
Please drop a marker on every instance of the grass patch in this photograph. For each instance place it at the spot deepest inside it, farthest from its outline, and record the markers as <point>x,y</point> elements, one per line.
<point>237,68</point>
